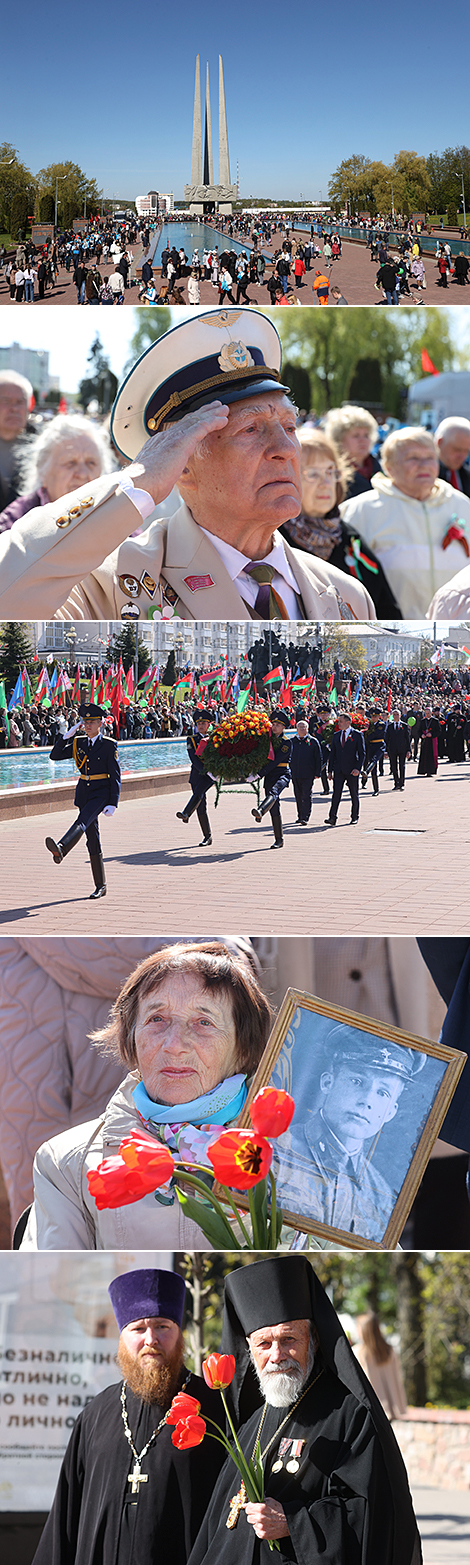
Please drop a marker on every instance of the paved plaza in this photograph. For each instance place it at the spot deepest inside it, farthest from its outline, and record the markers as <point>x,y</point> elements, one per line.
<point>443,1517</point>
<point>403,870</point>
<point>354,274</point>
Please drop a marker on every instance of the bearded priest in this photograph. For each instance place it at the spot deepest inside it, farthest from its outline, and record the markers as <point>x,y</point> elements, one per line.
<point>125,1495</point>
<point>335,1486</point>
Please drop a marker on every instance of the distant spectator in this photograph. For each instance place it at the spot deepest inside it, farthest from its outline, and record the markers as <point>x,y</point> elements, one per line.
<point>15,397</point>
<point>68,453</point>
<point>379,1360</point>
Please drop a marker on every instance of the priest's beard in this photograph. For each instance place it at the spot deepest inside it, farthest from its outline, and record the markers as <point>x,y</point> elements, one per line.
<point>152,1379</point>
<point>281,1387</point>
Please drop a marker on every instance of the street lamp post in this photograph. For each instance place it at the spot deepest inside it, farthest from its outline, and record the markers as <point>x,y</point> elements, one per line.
<point>393,204</point>
<point>463,194</point>
<point>58,177</point>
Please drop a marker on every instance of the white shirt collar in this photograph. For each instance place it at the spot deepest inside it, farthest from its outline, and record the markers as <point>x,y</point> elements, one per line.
<point>235,562</point>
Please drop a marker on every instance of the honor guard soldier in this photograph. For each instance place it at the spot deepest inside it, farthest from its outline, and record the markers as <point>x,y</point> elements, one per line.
<point>97,791</point>
<point>199,779</point>
<point>276,775</point>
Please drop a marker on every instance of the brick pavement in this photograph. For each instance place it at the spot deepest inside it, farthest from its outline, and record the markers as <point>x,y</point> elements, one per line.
<point>353,273</point>
<point>401,871</point>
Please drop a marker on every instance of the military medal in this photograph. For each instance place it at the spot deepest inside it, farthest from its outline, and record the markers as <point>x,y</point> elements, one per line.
<point>284,1447</point>
<point>236,1505</point>
<point>293,1465</point>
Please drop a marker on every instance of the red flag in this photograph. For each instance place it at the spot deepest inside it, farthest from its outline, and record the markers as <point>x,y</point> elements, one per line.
<point>63,405</point>
<point>427,365</point>
<point>130,682</point>
<point>389,702</point>
<point>75,695</point>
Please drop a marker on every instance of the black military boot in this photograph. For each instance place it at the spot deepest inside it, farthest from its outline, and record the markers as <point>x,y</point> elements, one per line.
<point>203,819</point>
<point>99,877</point>
<point>264,807</point>
<point>184,815</point>
<point>277,829</point>
<point>60,849</point>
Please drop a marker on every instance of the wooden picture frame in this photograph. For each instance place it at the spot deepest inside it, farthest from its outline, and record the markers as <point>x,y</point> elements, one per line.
<point>323,1055</point>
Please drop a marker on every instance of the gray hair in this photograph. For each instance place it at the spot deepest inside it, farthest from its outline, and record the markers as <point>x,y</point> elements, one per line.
<point>448,425</point>
<point>12,378</point>
<point>401,437</point>
<point>338,421</point>
<point>38,460</point>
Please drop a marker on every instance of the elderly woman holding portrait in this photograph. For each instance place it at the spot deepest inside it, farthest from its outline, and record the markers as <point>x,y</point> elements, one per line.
<point>190,1024</point>
<point>320,528</point>
<point>69,452</point>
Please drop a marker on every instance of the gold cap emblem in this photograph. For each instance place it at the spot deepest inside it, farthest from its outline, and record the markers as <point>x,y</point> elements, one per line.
<point>235,356</point>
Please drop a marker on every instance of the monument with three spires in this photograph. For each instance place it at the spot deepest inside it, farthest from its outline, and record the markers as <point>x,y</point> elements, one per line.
<point>202,194</point>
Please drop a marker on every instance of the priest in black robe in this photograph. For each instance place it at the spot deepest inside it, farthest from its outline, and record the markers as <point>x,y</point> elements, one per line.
<point>137,1500</point>
<point>336,1490</point>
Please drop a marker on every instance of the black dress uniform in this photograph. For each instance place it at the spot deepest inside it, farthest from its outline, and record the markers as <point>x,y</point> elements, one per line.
<point>276,774</point>
<point>306,764</point>
<point>375,750</point>
<point>200,782</point>
<point>398,743</point>
<point>99,784</point>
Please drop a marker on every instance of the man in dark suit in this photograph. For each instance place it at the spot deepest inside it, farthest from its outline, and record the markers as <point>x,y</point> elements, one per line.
<point>306,764</point>
<point>398,746</point>
<point>97,791</point>
<point>199,779</point>
<point>453,446</point>
<point>347,759</point>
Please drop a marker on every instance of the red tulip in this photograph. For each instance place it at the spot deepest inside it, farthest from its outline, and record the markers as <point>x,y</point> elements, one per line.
<point>189,1431</point>
<point>182,1406</point>
<point>271,1111</point>
<point>113,1184</point>
<point>218,1370</point>
<point>147,1156</point>
<point>240,1159</point>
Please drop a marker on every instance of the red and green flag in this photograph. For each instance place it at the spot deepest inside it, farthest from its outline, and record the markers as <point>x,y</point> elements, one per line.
<point>4,708</point>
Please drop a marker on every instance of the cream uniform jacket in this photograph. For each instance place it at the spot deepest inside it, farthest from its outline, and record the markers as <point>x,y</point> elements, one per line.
<point>69,560</point>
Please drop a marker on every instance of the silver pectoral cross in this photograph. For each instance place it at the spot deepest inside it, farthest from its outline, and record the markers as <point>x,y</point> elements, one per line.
<point>136,1477</point>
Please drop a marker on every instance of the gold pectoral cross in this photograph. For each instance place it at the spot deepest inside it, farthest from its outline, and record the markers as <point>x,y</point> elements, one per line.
<point>136,1477</point>
<point>236,1505</point>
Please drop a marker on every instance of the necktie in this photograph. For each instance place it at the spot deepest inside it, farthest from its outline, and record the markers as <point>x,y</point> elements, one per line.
<point>454,478</point>
<point>269,605</point>
<point>343,736</point>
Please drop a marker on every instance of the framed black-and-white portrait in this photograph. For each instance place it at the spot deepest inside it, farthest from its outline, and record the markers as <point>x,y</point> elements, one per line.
<point>369,1103</point>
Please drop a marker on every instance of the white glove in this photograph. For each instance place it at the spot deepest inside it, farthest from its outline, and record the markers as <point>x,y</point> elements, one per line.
<point>71,731</point>
<point>109,809</point>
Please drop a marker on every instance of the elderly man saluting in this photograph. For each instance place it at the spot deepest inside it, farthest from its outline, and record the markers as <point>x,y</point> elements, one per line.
<point>124,1493</point>
<point>336,1489</point>
<point>203,408</point>
<point>417,524</point>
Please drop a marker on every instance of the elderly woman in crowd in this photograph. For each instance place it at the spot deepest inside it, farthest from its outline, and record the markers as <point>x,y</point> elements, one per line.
<point>190,1025</point>
<point>355,431</point>
<point>320,528</point>
<point>69,452</point>
<point>417,524</point>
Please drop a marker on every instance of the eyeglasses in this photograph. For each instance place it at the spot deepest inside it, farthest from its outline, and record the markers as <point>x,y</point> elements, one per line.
<point>312,474</point>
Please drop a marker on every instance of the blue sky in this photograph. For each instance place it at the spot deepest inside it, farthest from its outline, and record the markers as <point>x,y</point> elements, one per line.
<point>113,89</point>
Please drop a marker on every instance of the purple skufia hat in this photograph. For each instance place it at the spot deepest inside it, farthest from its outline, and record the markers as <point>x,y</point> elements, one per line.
<point>145,1294</point>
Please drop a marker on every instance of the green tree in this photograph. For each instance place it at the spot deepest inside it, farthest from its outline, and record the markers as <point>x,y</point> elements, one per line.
<point>123,645</point>
<point>446,1296</point>
<point>350,183</point>
<point>17,191</point>
<point>329,345</point>
<point>15,650</point>
<point>411,1326</point>
<point>72,187</point>
<point>101,383</point>
<point>338,643</point>
<point>150,325</point>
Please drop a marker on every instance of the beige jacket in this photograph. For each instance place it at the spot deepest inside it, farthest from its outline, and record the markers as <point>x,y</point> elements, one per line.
<point>64,1216</point>
<point>64,561</point>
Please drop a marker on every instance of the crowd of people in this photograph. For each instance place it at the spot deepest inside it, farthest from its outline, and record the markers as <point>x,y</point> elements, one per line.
<point>385,520</point>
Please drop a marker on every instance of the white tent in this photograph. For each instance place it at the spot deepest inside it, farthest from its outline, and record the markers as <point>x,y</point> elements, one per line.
<point>440,396</point>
